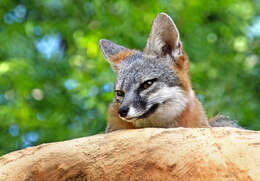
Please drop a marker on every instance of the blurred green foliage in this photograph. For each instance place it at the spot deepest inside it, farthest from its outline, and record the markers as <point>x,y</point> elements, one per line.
<point>56,84</point>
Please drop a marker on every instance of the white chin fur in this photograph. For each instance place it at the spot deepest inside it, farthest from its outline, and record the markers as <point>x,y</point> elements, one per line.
<point>130,120</point>
<point>173,102</point>
<point>132,114</point>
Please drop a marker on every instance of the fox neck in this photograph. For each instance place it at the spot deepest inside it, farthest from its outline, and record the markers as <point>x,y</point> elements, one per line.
<point>194,114</point>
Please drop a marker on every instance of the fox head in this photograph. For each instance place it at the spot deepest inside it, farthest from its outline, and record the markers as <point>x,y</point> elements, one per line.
<point>153,84</point>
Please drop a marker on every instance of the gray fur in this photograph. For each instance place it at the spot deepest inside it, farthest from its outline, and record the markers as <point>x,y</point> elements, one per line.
<point>135,71</point>
<point>224,121</point>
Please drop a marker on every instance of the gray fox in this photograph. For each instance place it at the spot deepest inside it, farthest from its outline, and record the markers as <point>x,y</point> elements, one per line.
<point>153,88</point>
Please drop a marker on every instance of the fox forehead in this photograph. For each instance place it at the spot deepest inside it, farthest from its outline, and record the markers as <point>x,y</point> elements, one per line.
<point>139,68</point>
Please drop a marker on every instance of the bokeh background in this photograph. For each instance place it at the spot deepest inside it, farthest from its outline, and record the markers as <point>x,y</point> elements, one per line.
<point>56,85</point>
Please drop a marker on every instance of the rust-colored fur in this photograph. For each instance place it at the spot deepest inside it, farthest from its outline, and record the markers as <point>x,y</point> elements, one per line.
<point>115,122</point>
<point>194,114</point>
<point>122,55</point>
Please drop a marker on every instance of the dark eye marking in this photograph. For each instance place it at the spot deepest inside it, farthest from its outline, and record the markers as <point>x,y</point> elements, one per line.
<point>147,83</point>
<point>119,93</point>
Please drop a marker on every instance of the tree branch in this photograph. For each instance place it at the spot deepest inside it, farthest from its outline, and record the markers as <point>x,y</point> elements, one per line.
<point>141,154</point>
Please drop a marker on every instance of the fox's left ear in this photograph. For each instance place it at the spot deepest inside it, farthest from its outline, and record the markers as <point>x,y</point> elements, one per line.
<point>164,38</point>
<point>110,50</point>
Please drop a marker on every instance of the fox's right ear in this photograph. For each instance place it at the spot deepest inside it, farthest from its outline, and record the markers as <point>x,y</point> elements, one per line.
<point>164,38</point>
<point>111,51</point>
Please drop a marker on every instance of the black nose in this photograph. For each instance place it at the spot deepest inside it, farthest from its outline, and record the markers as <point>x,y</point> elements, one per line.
<point>123,111</point>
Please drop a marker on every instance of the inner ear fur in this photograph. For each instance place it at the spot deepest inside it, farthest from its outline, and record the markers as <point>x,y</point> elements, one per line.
<point>164,38</point>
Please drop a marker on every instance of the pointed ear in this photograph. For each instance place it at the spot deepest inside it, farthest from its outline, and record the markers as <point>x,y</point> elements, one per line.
<point>164,38</point>
<point>110,50</point>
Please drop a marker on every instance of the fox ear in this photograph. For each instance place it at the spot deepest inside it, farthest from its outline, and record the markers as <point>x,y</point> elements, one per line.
<point>110,50</point>
<point>164,38</point>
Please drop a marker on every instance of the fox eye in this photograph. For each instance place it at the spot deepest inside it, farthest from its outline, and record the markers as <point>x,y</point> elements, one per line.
<point>119,93</point>
<point>148,83</point>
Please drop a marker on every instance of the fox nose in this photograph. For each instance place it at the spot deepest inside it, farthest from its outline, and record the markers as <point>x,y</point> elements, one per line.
<point>123,111</point>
